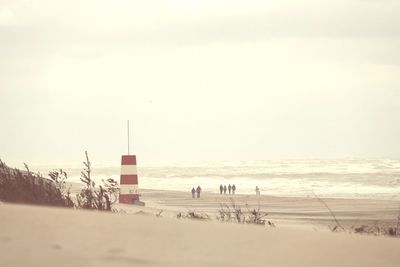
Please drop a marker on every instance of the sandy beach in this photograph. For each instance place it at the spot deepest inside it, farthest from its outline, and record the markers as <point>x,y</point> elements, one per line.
<point>307,211</point>
<point>43,236</point>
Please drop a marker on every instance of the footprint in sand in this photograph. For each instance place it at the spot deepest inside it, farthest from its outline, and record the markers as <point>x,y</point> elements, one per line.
<point>56,246</point>
<point>5,239</point>
<point>128,261</point>
<point>116,250</point>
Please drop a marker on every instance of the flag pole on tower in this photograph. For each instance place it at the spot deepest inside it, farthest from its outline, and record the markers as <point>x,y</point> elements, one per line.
<point>128,138</point>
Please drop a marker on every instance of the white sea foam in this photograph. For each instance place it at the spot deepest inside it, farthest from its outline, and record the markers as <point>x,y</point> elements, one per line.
<point>351,178</point>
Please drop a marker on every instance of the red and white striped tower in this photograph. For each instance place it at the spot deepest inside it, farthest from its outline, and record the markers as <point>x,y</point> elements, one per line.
<point>129,180</point>
<point>129,192</point>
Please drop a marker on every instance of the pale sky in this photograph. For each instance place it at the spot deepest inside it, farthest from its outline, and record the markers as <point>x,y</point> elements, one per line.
<point>199,80</point>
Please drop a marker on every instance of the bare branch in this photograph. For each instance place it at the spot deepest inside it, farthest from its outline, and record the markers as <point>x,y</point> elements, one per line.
<point>331,212</point>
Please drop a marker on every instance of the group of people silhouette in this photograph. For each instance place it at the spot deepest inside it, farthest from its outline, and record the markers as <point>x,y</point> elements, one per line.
<point>197,190</point>
<point>231,188</point>
<point>222,189</point>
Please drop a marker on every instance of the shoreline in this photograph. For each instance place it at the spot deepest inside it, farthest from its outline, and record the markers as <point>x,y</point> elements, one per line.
<point>77,185</point>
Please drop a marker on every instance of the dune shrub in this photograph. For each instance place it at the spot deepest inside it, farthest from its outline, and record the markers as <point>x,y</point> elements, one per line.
<point>96,198</point>
<point>232,212</point>
<point>27,187</point>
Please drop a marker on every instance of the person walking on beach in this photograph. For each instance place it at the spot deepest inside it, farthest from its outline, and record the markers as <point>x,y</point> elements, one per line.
<point>229,188</point>
<point>198,190</point>
<point>224,189</point>
<point>233,189</point>
<point>257,191</point>
<point>221,188</point>
<point>193,191</point>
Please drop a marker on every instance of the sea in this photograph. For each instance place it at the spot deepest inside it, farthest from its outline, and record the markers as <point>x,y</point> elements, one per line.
<point>344,178</point>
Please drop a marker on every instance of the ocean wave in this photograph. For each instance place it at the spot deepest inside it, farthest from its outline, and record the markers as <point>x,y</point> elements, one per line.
<point>369,178</point>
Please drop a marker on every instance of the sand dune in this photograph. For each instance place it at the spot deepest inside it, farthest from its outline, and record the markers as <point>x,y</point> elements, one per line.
<point>42,236</point>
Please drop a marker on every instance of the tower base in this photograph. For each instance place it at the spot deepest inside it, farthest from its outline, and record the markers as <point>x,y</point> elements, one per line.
<point>138,203</point>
